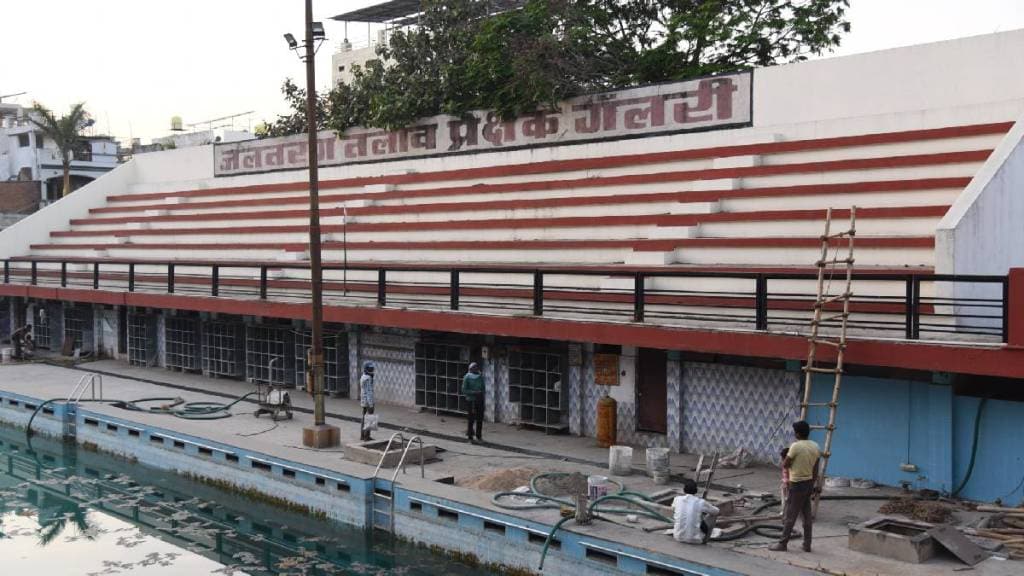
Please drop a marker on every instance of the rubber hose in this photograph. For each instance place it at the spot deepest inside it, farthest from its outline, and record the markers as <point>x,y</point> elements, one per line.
<point>535,477</point>
<point>974,447</point>
<point>547,541</point>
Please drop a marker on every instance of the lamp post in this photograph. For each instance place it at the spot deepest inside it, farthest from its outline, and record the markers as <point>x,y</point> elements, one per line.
<point>320,434</point>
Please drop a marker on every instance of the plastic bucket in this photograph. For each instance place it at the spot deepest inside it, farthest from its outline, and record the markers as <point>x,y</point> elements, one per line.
<point>597,486</point>
<point>5,355</point>
<point>620,460</point>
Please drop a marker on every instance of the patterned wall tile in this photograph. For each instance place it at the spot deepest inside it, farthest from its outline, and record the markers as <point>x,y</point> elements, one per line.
<point>575,378</point>
<point>491,390</point>
<point>505,412</point>
<point>673,377</point>
<point>727,407</point>
<point>395,357</point>
<point>355,367</point>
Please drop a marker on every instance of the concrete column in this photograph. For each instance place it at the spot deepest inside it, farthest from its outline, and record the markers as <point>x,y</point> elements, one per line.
<point>491,392</point>
<point>674,401</point>
<point>575,388</point>
<point>355,369</point>
<point>1016,308</point>
<point>161,339</point>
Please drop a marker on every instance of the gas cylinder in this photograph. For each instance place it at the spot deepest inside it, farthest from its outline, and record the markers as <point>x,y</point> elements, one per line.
<point>607,408</point>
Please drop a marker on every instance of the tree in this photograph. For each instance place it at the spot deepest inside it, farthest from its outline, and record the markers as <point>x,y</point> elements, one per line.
<point>295,122</point>
<point>461,56</point>
<point>65,131</point>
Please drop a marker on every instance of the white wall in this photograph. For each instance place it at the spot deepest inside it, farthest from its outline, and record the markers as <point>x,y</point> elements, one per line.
<point>36,228</point>
<point>984,229</point>
<point>948,74</point>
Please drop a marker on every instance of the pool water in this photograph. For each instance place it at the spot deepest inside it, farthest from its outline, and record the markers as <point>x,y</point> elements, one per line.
<point>64,510</point>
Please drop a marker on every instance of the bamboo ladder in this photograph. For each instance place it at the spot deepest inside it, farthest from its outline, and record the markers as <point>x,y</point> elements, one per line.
<point>823,301</point>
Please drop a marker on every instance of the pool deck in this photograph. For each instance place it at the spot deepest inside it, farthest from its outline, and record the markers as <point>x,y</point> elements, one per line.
<point>506,447</point>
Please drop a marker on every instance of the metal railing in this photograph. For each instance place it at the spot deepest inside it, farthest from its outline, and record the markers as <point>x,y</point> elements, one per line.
<point>910,306</point>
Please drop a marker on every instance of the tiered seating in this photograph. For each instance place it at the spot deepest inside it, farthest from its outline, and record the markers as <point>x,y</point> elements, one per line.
<point>744,205</point>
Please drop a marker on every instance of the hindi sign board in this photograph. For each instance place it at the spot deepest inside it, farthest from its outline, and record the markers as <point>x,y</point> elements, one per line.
<point>714,102</point>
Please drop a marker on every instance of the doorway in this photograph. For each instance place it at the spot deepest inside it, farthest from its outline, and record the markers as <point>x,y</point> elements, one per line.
<point>651,391</point>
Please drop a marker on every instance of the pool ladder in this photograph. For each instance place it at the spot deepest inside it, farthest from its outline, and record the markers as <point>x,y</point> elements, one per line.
<point>86,382</point>
<point>382,512</point>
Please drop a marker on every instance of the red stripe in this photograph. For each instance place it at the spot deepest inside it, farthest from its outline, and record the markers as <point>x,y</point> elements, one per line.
<point>530,223</point>
<point>614,199</point>
<point>624,180</point>
<point>640,245</point>
<point>610,269</point>
<point>603,162</point>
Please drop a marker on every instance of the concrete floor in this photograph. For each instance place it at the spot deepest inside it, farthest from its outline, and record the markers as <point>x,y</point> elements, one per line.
<point>506,447</point>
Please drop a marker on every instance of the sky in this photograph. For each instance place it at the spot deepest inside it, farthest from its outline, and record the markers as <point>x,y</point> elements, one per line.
<point>137,63</point>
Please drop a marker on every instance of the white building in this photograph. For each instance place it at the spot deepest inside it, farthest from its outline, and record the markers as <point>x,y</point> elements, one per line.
<point>26,155</point>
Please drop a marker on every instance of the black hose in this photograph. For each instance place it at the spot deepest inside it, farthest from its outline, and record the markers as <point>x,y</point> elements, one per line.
<point>974,447</point>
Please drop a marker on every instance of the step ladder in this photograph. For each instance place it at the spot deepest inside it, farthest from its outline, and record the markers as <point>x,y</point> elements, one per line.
<point>382,509</point>
<point>828,267</point>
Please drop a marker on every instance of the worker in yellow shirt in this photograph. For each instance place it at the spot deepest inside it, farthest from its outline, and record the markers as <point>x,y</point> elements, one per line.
<point>802,462</point>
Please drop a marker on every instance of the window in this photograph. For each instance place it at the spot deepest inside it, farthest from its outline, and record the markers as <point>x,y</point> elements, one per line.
<point>39,141</point>
<point>23,141</point>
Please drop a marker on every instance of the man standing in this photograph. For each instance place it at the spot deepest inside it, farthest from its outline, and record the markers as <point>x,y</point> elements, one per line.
<point>473,390</point>
<point>802,462</point>
<point>694,517</point>
<point>366,398</point>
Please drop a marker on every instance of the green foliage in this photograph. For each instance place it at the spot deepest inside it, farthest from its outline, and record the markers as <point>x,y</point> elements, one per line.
<point>64,131</point>
<point>295,122</point>
<point>462,58</point>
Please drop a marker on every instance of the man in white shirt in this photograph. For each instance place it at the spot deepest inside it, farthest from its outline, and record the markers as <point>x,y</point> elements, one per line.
<point>694,517</point>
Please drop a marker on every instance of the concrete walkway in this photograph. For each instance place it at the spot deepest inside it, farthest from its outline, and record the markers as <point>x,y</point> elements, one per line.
<point>506,447</point>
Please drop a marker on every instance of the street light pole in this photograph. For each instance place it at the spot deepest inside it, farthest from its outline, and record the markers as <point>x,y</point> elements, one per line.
<point>320,435</point>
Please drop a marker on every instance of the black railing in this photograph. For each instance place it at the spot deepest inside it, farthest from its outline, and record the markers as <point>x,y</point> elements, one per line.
<point>964,307</point>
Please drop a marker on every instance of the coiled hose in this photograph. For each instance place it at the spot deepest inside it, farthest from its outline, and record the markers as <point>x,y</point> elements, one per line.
<point>171,405</point>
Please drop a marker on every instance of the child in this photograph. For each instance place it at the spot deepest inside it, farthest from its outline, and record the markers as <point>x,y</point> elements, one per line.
<point>785,480</point>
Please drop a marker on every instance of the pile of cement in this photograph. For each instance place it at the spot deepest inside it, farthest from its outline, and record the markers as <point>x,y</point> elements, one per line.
<point>502,480</point>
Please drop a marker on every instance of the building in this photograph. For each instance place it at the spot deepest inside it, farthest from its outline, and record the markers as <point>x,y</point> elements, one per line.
<point>656,245</point>
<point>25,155</point>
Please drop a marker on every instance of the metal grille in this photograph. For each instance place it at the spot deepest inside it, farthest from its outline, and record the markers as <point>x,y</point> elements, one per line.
<point>223,347</point>
<point>335,360</point>
<point>182,343</point>
<point>439,372</point>
<point>74,325</point>
<point>535,383</point>
<point>140,340</point>
<point>266,344</point>
<point>41,328</point>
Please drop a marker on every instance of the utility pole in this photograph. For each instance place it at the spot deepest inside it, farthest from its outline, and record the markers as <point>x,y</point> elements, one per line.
<point>320,435</point>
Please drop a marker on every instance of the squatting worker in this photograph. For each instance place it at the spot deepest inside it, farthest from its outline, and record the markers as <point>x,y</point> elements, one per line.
<point>802,462</point>
<point>694,518</point>
<point>366,398</point>
<point>473,390</point>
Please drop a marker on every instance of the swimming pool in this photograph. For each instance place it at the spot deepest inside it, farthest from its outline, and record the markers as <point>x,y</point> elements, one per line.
<point>66,510</point>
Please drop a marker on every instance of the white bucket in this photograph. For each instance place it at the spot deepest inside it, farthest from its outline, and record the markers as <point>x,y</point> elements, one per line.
<point>5,355</point>
<point>658,464</point>
<point>620,460</point>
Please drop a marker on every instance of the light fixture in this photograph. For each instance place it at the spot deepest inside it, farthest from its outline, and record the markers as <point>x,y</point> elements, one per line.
<point>292,44</point>
<point>318,31</point>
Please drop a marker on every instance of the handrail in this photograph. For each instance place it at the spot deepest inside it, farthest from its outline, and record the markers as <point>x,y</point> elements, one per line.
<point>86,380</point>
<point>385,453</point>
<point>401,463</point>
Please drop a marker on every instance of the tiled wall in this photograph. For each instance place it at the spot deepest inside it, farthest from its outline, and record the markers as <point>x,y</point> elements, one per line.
<point>725,407</point>
<point>395,357</point>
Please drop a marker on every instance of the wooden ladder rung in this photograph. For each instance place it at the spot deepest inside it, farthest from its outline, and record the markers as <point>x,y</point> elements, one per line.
<point>822,427</point>
<point>850,232</point>
<point>831,318</point>
<point>834,344</point>
<point>822,370</point>
<point>833,262</point>
<point>835,298</point>
<point>819,404</point>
